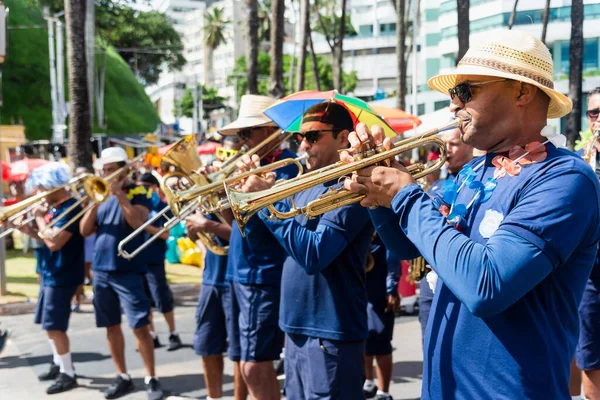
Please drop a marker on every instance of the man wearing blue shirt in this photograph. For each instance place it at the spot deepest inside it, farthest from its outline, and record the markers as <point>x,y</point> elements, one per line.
<point>520,237</point>
<point>214,321</point>
<point>255,267</point>
<point>119,283</point>
<point>157,287</point>
<point>323,295</point>
<point>458,155</point>
<point>61,269</point>
<point>383,273</point>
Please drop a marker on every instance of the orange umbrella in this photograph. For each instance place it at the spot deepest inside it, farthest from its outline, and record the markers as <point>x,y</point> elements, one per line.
<point>399,120</point>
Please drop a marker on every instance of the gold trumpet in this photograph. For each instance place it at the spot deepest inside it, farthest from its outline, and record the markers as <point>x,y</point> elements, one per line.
<point>245,205</point>
<point>589,152</point>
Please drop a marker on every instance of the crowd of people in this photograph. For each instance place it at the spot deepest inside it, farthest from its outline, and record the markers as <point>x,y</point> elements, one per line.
<point>510,307</point>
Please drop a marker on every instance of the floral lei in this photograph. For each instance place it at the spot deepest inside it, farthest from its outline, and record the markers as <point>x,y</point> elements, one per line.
<point>508,164</point>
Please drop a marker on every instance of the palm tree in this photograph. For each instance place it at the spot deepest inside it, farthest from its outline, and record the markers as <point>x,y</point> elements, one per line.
<point>462,11</point>
<point>545,16</point>
<point>215,27</point>
<point>335,38</point>
<point>575,71</point>
<point>80,129</point>
<point>400,51</point>
<point>313,59</point>
<point>252,45</point>
<point>276,88</point>
<point>304,32</point>
<point>513,15</point>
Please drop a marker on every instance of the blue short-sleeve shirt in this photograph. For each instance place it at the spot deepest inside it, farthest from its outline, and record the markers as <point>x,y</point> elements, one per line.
<point>261,261</point>
<point>157,250</point>
<point>111,228</point>
<point>215,266</point>
<point>522,350</point>
<point>64,267</point>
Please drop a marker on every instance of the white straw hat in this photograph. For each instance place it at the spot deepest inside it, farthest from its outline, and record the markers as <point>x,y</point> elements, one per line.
<point>250,114</point>
<point>513,55</point>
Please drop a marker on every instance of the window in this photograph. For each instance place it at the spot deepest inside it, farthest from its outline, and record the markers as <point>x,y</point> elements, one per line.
<point>448,61</point>
<point>438,105</point>
<point>432,14</point>
<point>432,67</point>
<point>447,6</point>
<point>365,30</point>
<point>590,56</point>
<point>432,39</point>
<point>387,29</point>
<point>421,109</point>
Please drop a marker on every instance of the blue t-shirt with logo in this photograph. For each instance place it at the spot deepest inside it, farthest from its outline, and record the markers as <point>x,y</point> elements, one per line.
<point>215,266</point>
<point>324,271</point>
<point>64,267</point>
<point>260,262</point>
<point>157,250</point>
<point>504,318</point>
<point>111,228</point>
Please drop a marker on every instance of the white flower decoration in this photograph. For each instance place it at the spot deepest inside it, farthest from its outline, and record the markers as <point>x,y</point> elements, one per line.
<point>558,140</point>
<point>432,279</point>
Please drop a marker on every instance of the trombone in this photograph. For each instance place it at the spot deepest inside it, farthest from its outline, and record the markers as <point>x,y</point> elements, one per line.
<point>245,205</point>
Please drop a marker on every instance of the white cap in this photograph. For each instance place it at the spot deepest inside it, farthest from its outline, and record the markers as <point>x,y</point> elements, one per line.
<point>111,155</point>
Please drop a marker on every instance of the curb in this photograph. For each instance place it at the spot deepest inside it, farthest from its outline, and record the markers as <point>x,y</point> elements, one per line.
<point>182,292</point>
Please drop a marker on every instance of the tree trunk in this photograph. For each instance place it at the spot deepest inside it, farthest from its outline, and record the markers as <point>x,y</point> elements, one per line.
<point>462,10</point>
<point>545,16</point>
<point>80,130</point>
<point>304,29</point>
<point>276,88</point>
<point>313,59</point>
<point>513,15</point>
<point>575,71</point>
<point>252,45</point>
<point>338,52</point>
<point>400,51</point>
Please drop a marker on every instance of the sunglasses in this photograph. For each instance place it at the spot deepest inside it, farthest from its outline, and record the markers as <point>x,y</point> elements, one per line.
<point>593,114</point>
<point>463,90</point>
<point>244,134</point>
<point>312,137</point>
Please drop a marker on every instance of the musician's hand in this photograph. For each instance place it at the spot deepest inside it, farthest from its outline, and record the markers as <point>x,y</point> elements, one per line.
<point>393,303</point>
<point>248,163</point>
<point>254,183</point>
<point>195,224</point>
<point>379,184</point>
<point>40,210</point>
<point>116,187</point>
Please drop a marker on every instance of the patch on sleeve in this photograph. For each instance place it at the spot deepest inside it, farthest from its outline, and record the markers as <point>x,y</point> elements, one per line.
<point>490,223</point>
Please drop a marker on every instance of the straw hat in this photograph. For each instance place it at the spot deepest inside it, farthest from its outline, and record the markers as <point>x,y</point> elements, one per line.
<point>251,114</point>
<point>513,55</point>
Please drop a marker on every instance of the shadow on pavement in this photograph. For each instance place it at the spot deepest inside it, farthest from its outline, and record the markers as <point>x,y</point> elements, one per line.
<point>23,359</point>
<point>183,384</point>
<point>407,369</point>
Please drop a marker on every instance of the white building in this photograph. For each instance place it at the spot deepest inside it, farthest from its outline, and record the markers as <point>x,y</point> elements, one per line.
<point>372,52</point>
<point>171,86</point>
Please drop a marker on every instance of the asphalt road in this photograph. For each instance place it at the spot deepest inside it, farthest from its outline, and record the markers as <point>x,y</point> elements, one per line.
<point>27,354</point>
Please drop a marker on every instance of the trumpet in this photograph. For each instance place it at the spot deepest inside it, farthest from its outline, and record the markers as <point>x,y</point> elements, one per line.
<point>590,152</point>
<point>207,238</point>
<point>245,205</point>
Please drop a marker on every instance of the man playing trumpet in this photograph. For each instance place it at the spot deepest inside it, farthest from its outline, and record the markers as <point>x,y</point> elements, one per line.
<point>323,296</point>
<point>516,237</point>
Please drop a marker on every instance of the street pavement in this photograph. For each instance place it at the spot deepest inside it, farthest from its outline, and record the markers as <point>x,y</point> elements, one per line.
<point>28,353</point>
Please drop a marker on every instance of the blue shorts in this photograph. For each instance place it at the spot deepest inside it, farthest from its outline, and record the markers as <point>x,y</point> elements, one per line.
<point>260,336</point>
<point>113,290</point>
<point>588,348</point>
<point>379,341</point>
<point>212,320</point>
<point>425,301</point>
<point>157,288</point>
<point>54,307</point>
<point>323,369</point>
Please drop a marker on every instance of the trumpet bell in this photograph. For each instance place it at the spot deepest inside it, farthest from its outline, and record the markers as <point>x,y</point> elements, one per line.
<point>96,189</point>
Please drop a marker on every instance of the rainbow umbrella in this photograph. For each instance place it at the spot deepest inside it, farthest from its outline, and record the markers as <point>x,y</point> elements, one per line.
<point>287,113</point>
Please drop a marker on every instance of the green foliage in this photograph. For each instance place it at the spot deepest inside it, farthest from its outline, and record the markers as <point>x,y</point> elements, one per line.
<point>215,27</point>
<point>210,101</point>
<point>349,81</point>
<point>26,82</point>
<point>264,20</point>
<point>332,24</point>
<point>125,28</point>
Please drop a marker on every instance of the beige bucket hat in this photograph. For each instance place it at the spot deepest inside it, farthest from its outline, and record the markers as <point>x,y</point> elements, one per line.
<point>250,114</point>
<point>513,55</point>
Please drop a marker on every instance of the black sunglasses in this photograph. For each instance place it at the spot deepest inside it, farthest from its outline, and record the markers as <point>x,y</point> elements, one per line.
<point>244,134</point>
<point>593,114</point>
<point>463,90</point>
<point>313,136</point>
